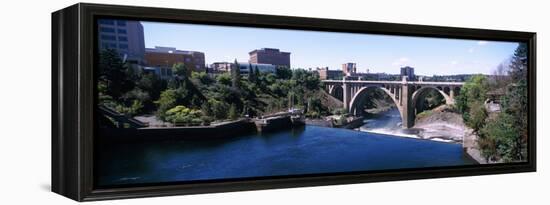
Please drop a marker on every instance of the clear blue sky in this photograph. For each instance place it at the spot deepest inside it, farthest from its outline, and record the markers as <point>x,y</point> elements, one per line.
<point>310,49</point>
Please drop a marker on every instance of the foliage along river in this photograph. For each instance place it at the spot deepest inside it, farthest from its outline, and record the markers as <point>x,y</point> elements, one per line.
<point>309,150</point>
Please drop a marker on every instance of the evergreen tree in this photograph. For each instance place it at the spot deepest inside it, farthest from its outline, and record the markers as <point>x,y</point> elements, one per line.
<point>514,103</point>
<point>256,71</point>
<point>518,64</point>
<point>235,75</point>
<point>113,74</point>
<point>180,71</point>
<point>250,73</point>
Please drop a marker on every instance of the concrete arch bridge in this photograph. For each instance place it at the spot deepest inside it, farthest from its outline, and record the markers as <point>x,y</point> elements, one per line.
<point>405,94</point>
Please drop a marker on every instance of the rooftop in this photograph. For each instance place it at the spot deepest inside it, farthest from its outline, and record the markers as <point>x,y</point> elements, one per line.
<point>172,50</point>
<point>269,50</point>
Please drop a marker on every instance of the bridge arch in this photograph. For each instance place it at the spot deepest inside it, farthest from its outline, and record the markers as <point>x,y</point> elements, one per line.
<point>359,98</point>
<point>337,91</point>
<point>419,94</point>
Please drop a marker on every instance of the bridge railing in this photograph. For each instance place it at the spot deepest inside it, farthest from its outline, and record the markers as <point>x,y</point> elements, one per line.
<point>395,82</point>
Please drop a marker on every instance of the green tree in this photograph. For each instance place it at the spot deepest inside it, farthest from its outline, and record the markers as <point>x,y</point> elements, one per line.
<point>113,74</point>
<point>515,101</point>
<point>235,75</point>
<point>153,86</point>
<point>224,79</point>
<point>499,139</point>
<point>180,70</point>
<point>251,73</point>
<point>216,109</point>
<point>432,98</point>
<point>283,72</point>
<point>314,107</point>
<point>233,112</point>
<point>476,116</point>
<point>470,101</point>
<point>518,64</point>
<point>202,78</point>
<point>167,100</point>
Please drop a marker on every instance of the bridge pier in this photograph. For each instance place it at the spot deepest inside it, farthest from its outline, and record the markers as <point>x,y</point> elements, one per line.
<point>347,95</point>
<point>407,111</point>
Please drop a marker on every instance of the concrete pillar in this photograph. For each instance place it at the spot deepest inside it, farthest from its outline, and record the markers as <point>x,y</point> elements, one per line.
<point>347,96</point>
<point>398,93</point>
<point>451,95</point>
<point>406,105</point>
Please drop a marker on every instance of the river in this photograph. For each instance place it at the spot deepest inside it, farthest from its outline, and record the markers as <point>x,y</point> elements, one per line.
<point>308,150</point>
<point>387,122</point>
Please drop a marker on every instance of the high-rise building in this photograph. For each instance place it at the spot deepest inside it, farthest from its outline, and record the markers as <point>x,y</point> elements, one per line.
<point>126,37</point>
<point>349,69</point>
<point>270,56</point>
<point>409,72</point>
<point>168,56</point>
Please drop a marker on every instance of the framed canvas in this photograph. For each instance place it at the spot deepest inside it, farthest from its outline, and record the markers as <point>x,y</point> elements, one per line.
<point>156,101</point>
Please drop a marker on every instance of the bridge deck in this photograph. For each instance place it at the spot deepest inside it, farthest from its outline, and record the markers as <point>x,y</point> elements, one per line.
<point>394,82</point>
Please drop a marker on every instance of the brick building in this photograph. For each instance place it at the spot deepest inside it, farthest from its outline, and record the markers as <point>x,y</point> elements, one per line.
<point>326,74</point>
<point>271,56</point>
<point>168,56</point>
<point>349,69</point>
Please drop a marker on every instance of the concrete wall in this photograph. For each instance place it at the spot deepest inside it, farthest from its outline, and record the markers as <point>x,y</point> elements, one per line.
<point>231,129</point>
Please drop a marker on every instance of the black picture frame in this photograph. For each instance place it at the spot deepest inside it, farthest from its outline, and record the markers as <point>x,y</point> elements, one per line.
<point>73,57</point>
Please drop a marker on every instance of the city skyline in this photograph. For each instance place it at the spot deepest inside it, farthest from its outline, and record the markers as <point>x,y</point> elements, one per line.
<point>311,49</point>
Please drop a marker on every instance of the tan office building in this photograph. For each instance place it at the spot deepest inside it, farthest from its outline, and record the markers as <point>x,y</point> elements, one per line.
<point>271,56</point>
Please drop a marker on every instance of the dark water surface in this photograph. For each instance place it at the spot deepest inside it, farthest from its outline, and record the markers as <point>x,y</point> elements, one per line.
<point>309,150</point>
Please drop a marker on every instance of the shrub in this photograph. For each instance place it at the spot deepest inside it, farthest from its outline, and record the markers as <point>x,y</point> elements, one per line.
<point>183,115</point>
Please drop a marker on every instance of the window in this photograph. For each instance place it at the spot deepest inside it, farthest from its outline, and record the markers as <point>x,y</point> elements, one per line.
<point>121,23</point>
<point>108,45</point>
<point>122,31</point>
<point>123,46</point>
<point>107,29</point>
<point>107,22</point>
<point>108,37</point>
<point>123,38</point>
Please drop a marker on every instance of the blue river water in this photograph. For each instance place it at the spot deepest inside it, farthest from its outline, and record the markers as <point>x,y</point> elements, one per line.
<point>308,150</point>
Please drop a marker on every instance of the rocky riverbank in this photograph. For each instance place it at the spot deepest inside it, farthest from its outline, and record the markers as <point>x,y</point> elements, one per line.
<point>441,124</point>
